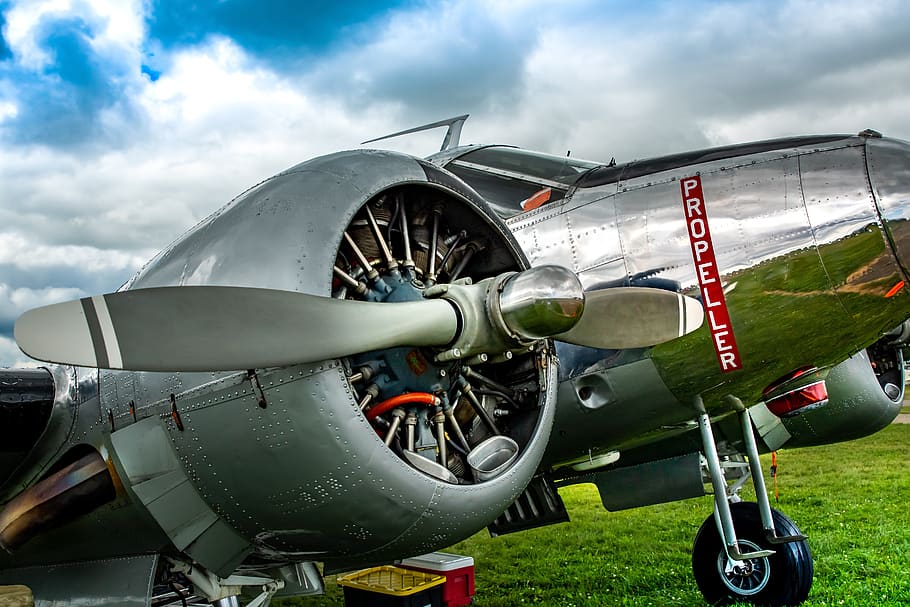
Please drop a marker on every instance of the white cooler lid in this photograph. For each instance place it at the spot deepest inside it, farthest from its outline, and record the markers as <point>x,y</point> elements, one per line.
<point>439,561</point>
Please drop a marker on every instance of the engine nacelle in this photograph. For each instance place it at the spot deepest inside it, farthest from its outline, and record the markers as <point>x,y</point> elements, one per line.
<point>26,404</point>
<point>354,461</point>
<point>864,395</point>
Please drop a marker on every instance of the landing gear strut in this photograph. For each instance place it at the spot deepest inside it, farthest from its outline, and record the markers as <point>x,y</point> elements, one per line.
<point>747,552</point>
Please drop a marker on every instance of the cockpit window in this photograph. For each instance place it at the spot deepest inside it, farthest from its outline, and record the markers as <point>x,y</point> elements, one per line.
<point>561,169</point>
<point>506,176</point>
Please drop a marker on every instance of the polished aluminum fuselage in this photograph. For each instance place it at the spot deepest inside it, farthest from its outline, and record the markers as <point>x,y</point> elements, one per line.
<point>807,239</point>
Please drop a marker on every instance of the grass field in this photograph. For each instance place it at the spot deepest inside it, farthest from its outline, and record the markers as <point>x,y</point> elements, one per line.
<point>852,500</point>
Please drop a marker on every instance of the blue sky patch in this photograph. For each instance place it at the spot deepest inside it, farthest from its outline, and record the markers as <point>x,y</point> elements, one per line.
<point>152,74</point>
<point>280,32</point>
<point>5,51</point>
<point>59,105</point>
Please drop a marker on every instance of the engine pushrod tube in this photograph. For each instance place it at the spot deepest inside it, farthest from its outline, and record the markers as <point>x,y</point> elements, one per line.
<point>452,242</point>
<point>440,419</point>
<point>410,424</point>
<point>468,392</point>
<point>449,412</point>
<point>471,249</point>
<point>397,415</point>
<point>406,237</point>
<point>472,374</point>
<point>431,261</point>
<point>371,272</point>
<point>350,281</point>
<point>371,392</point>
<point>391,264</point>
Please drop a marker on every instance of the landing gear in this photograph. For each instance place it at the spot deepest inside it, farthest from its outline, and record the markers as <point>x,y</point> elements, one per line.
<point>747,552</point>
<point>783,578</point>
<point>198,584</point>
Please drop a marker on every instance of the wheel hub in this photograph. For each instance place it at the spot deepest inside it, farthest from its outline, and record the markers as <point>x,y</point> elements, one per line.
<point>745,578</point>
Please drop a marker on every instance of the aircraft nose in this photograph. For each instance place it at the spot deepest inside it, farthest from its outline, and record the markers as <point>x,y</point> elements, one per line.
<point>889,174</point>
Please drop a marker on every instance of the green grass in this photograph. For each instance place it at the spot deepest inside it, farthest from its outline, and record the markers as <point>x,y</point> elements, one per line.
<point>852,500</point>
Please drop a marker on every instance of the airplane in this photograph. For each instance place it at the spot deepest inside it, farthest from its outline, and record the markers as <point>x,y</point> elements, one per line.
<point>371,356</point>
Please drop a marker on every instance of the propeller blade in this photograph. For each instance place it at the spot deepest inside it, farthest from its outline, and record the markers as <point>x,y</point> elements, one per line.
<point>210,328</point>
<point>633,317</point>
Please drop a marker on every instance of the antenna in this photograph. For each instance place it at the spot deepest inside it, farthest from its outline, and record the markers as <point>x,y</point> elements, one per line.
<point>453,134</point>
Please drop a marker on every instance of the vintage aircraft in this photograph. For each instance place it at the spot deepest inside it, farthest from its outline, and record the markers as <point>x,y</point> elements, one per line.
<point>371,356</point>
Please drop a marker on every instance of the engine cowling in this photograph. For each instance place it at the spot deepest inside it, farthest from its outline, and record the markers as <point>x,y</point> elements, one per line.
<point>864,395</point>
<point>352,461</point>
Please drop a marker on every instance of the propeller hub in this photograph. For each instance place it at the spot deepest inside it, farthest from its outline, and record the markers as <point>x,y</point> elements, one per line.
<point>541,302</point>
<point>511,311</point>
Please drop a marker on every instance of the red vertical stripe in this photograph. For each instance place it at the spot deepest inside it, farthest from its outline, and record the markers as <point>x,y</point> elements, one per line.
<point>712,291</point>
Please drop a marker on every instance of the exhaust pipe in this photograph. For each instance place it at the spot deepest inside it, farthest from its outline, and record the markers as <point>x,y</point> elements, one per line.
<point>77,489</point>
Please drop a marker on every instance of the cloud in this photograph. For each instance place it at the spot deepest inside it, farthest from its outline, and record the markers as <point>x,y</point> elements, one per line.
<point>71,80</point>
<point>429,59</point>
<point>445,59</point>
<point>11,355</point>
<point>20,252</point>
<point>15,301</point>
<point>680,77</point>
<point>122,124</point>
<point>34,274</point>
<point>221,125</point>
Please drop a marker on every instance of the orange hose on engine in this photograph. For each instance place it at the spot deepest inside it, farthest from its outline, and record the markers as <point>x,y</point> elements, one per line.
<point>409,398</point>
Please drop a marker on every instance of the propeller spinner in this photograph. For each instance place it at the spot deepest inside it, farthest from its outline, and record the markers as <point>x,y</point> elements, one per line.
<point>217,328</point>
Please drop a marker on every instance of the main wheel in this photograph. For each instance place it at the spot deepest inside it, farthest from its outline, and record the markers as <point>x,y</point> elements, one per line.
<point>782,579</point>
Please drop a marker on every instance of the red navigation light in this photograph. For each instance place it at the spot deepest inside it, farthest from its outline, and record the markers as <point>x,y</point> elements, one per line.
<point>798,400</point>
<point>780,381</point>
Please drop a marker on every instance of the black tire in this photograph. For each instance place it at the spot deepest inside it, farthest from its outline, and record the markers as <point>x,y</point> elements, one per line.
<point>780,580</point>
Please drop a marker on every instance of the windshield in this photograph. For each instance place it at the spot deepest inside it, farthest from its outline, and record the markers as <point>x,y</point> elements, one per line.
<point>561,169</point>
<point>507,176</point>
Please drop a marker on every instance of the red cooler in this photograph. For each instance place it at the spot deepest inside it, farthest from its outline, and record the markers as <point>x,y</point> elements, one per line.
<point>458,571</point>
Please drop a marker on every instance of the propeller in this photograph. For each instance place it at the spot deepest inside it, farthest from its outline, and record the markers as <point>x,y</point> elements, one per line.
<point>219,328</point>
<point>633,317</point>
<point>210,328</point>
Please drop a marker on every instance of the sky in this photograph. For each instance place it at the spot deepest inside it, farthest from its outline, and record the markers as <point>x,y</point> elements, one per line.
<point>125,122</point>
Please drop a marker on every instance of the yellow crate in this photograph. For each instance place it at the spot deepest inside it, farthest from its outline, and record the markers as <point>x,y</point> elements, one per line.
<point>16,596</point>
<point>390,580</point>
